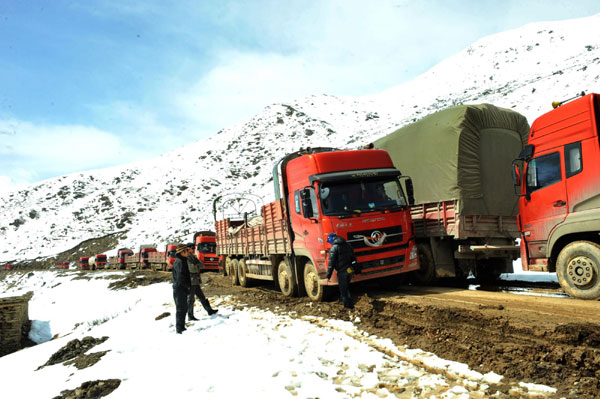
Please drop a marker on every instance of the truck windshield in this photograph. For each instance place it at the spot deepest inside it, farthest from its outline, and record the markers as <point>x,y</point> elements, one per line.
<point>207,248</point>
<point>342,198</point>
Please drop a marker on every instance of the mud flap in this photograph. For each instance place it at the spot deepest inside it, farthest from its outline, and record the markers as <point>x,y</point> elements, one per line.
<point>443,258</point>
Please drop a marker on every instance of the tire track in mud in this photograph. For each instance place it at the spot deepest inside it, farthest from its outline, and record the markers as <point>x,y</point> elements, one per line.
<point>522,345</point>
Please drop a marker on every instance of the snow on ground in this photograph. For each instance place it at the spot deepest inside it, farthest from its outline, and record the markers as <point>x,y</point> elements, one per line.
<point>233,354</point>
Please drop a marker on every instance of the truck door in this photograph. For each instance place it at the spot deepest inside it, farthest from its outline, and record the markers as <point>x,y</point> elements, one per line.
<point>307,230</point>
<point>545,203</point>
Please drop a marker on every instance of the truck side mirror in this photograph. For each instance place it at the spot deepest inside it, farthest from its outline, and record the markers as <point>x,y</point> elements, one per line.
<point>516,175</point>
<point>526,152</point>
<point>307,209</point>
<point>410,191</point>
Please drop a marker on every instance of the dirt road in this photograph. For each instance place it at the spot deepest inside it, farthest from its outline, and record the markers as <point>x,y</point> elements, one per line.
<point>545,340</point>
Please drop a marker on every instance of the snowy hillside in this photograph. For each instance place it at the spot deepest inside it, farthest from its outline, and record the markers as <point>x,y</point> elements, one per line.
<point>170,197</point>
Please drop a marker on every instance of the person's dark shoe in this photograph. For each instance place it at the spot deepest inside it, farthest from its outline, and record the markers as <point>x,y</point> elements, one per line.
<point>349,306</point>
<point>192,318</point>
<point>179,331</point>
<point>212,312</point>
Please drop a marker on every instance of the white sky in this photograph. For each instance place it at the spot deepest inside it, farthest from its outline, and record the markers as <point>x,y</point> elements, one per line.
<point>238,353</point>
<point>101,83</point>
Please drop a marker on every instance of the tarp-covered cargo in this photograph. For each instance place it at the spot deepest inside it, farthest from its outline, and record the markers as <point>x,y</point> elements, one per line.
<point>462,153</point>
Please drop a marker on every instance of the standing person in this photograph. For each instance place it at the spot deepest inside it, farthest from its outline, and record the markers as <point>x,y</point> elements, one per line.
<point>342,259</point>
<point>181,286</point>
<point>194,265</point>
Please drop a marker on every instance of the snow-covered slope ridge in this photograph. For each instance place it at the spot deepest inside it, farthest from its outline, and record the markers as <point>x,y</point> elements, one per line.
<point>170,197</point>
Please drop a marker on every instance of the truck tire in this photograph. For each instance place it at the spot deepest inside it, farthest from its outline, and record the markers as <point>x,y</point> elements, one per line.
<point>242,273</point>
<point>314,290</point>
<point>578,269</point>
<point>426,274</point>
<point>233,272</point>
<point>285,277</point>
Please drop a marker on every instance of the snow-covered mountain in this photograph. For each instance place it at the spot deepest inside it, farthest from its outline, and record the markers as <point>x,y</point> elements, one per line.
<point>170,197</point>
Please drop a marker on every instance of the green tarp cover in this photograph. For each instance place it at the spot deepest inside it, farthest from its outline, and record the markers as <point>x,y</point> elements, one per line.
<point>463,153</point>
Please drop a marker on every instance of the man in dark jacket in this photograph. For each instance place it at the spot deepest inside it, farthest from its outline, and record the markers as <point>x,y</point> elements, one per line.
<point>181,286</point>
<point>342,259</point>
<point>194,265</point>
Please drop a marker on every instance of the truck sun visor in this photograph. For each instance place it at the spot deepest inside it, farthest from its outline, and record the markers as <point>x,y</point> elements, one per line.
<point>354,175</point>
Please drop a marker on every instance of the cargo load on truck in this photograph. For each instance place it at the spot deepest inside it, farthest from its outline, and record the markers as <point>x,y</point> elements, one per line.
<point>465,206</point>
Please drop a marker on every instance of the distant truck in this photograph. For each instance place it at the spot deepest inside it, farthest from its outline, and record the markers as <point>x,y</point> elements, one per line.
<point>319,191</point>
<point>205,249</point>
<point>97,262</point>
<point>465,210</point>
<point>118,262</point>
<point>62,265</point>
<point>557,176</point>
<point>84,263</point>
<point>148,257</point>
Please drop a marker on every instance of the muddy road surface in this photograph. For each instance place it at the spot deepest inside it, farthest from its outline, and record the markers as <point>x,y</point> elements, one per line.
<point>545,340</point>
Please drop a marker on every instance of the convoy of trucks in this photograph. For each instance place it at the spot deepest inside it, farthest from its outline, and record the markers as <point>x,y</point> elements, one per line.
<point>463,216</point>
<point>319,191</point>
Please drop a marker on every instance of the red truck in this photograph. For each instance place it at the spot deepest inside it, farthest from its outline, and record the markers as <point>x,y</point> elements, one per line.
<point>559,204</point>
<point>62,265</point>
<point>118,262</point>
<point>148,257</point>
<point>205,248</point>
<point>97,262</point>
<point>319,191</point>
<point>84,263</point>
<point>162,260</point>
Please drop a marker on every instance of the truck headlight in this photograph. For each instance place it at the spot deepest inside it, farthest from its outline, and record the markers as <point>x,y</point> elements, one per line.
<point>413,253</point>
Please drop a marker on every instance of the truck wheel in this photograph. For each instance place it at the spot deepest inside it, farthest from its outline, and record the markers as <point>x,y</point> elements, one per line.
<point>233,272</point>
<point>577,269</point>
<point>426,274</point>
<point>314,290</point>
<point>287,285</point>
<point>242,273</point>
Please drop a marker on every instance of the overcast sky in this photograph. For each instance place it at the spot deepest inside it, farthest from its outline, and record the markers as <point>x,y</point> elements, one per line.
<point>96,83</point>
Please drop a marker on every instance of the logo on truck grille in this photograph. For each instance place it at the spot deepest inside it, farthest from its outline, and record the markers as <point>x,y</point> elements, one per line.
<point>376,239</point>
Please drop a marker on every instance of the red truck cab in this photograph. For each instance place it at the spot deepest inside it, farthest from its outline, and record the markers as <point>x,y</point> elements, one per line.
<point>337,191</point>
<point>101,261</point>
<point>559,205</point>
<point>84,263</point>
<point>205,249</point>
<point>122,255</point>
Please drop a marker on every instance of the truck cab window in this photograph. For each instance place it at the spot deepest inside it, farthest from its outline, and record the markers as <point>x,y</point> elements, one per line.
<point>313,200</point>
<point>297,202</point>
<point>573,162</point>
<point>543,171</point>
<point>359,196</point>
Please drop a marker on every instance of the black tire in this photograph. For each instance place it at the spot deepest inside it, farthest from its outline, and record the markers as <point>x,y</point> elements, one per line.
<point>233,272</point>
<point>285,277</point>
<point>314,290</point>
<point>227,266</point>
<point>242,273</point>
<point>487,271</point>
<point>578,269</point>
<point>426,274</point>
